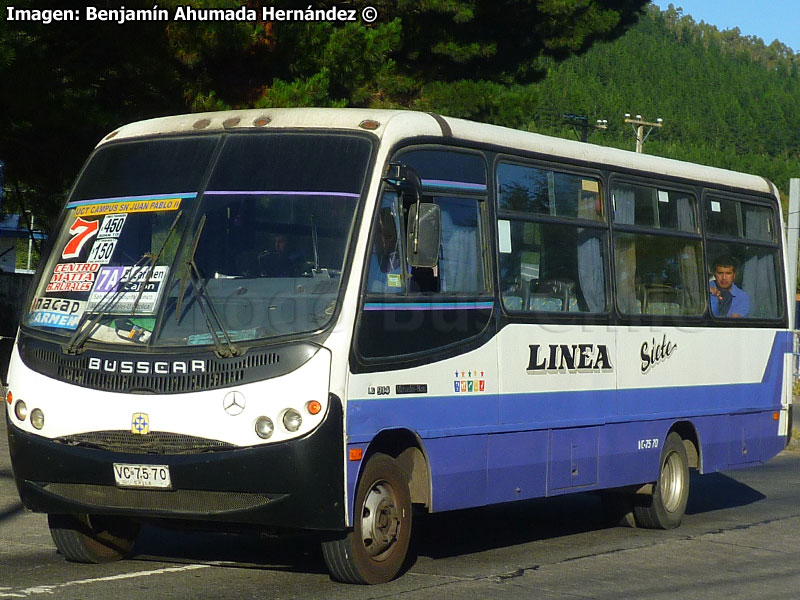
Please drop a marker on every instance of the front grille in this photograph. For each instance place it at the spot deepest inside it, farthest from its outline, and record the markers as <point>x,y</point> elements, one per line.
<point>155,442</point>
<point>175,501</point>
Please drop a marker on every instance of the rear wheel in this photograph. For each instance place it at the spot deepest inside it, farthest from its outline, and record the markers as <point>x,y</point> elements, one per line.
<point>665,508</point>
<point>91,538</point>
<point>374,552</point>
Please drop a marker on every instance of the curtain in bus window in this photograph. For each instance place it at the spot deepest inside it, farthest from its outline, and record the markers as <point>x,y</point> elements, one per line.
<point>590,271</point>
<point>758,277</point>
<point>689,259</point>
<point>590,256</point>
<point>758,280</point>
<point>625,255</point>
<point>460,262</point>
<point>757,223</point>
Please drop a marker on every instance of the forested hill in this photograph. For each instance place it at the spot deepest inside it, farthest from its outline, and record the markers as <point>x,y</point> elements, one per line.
<point>727,100</point>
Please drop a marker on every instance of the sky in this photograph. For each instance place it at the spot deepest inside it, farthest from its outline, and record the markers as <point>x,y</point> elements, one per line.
<point>767,19</point>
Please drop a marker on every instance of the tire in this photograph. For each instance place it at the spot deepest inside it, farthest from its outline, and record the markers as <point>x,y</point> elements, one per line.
<point>376,549</point>
<point>665,508</point>
<point>92,539</point>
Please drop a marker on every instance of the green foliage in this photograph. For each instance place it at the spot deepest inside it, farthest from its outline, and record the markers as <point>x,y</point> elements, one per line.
<point>726,100</point>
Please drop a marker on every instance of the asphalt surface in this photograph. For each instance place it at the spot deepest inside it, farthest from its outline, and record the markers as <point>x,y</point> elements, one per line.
<point>739,539</point>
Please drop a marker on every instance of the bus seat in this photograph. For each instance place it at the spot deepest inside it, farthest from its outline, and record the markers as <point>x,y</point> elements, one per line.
<point>512,302</point>
<point>661,299</point>
<point>551,295</point>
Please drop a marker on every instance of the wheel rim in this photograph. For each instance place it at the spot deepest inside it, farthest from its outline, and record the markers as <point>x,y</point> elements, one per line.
<point>380,521</point>
<point>672,482</point>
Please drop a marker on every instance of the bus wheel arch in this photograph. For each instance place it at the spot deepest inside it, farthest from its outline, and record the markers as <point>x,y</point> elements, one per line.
<point>407,449</point>
<point>691,442</point>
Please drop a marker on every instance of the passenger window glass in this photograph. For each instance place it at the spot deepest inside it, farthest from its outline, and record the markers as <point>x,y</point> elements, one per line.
<point>545,192</point>
<point>547,267</point>
<point>739,219</point>
<point>659,275</point>
<point>653,207</point>
<point>743,281</point>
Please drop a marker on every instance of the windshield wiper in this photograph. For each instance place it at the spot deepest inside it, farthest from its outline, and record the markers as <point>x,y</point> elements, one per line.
<point>204,302</point>
<point>112,297</point>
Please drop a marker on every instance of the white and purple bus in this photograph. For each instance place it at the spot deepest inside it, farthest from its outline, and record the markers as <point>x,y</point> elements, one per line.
<point>319,319</point>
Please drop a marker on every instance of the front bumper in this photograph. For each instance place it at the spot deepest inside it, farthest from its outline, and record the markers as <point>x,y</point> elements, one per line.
<point>298,484</point>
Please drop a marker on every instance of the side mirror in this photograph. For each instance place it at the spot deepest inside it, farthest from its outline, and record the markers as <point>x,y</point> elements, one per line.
<point>424,235</point>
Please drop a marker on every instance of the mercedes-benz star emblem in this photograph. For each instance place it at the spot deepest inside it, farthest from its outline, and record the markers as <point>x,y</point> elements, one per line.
<point>233,403</point>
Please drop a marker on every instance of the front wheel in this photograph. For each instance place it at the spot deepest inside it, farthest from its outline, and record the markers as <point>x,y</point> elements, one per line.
<point>665,508</point>
<point>91,538</point>
<point>374,552</point>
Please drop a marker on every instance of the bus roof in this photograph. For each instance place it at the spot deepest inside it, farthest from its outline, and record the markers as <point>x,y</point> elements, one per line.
<point>391,126</point>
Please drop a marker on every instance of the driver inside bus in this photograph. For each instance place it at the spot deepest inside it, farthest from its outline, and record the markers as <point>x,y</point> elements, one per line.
<point>281,260</point>
<point>727,299</point>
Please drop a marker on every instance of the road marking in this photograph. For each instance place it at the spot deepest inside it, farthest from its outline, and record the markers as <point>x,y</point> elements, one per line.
<point>49,589</point>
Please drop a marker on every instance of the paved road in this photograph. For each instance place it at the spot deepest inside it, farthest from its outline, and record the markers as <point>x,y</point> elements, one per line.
<point>740,539</point>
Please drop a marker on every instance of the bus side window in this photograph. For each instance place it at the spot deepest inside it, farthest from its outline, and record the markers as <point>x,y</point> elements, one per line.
<point>550,266</point>
<point>744,234</point>
<point>659,266</point>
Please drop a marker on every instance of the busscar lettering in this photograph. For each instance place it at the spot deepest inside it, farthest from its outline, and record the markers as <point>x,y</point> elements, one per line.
<point>566,358</point>
<point>654,353</point>
<point>143,367</point>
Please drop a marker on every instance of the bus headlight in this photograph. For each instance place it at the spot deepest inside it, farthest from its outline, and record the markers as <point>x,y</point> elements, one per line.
<point>21,410</point>
<point>292,420</point>
<point>264,427</point>
<point>37,418</point>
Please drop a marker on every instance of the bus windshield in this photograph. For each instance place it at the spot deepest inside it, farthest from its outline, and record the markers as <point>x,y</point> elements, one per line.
<point>203,240</point>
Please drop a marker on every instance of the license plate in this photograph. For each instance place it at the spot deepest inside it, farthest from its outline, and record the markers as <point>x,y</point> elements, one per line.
<point>147,476</point>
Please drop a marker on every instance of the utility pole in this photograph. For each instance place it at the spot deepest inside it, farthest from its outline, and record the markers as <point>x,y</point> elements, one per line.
<point>638,129</point>
<point>582,122</point>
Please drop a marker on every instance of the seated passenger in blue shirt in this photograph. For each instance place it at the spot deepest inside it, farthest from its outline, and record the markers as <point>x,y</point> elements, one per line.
<point>727,299</point>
